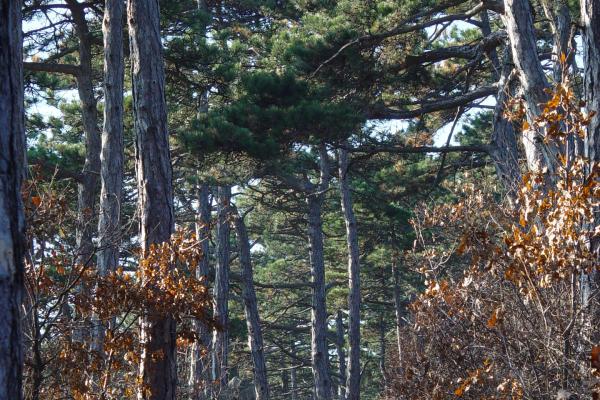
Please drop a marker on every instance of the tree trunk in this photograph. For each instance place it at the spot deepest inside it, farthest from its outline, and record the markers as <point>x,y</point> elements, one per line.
<point>353,379</point>
<point>255,338</point>
<point>198,364</point>
<point>339,344</point>
<point>12,221</point>
<point>590,18</point>
<point>319,353</point>
<point>111,157</point>
<point>90,177</point>
<point>155,193</point>
<point>397,307</point>
<point>521,33</point>
<point>221,291</point>
<point>505,150</point>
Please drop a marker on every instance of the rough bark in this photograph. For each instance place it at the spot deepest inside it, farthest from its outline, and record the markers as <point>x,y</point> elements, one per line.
<point>255,337</point>
<point>155,193</point>
<point>319,353</point>
<point>521,33</point>
<point>12,222</point>
<point>504,149</point>
<point>557,12</point>
<point>590,19</point>
<point>198,364</point>
<point>353,378</point>
<point>220,341</point>
<point>339,344</point>
<point>111,155</point>
<point>90,178</point>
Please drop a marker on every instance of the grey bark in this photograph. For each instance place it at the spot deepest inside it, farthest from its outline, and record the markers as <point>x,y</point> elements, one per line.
<point>590,19</point>
<point>155,193</point>
<point>12,221</point>
<point>90,177</point>
<point>255,337</point>
<point>557,12</point>
<point>504,149</point>
<point>198,364</point>
<point>319,353</point>
<point>111,156</point>
<point>354,297</point>
<point>521,33</point>
<point>339,344</point>
<point>398,312</point>
<point>220,340</point>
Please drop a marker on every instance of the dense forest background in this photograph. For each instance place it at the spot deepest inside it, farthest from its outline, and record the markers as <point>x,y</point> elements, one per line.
<point>299,199</point>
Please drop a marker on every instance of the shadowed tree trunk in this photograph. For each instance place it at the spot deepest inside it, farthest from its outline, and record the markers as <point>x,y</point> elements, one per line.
<point>397,307</point>
<point>158,368</point>
<point>12,222</point>
<point>199,365</point>
<point>319,353</point>
<point>353,379</point>
<point>255,337</point>
<point>339,344</point>
<point>220,341</point>
<point>111,157</point>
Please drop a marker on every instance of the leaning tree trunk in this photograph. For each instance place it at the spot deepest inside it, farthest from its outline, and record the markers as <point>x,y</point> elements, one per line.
<point>111,157</point>
<point>155,193</point>
<point>220,343</point>
<point>353,379</point>
<point>522,38</point>
<point>12,222</point>
<point>319,353</point>
<point>198,363</point>
<point>255,338</point>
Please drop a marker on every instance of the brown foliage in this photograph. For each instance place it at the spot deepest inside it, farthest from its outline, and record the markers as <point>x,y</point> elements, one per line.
<point>508,320</point>
<point>65,299</point>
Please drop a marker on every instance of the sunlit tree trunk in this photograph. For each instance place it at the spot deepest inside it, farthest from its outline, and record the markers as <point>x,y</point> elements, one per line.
<point>590,18</point>
<point>111,157</point>
<point>255,337</point>
<point>353,379</point>
<point>90,178</point>
<point>12,222</point>
<point>220,343</point>
<point>158,368</point>
<point>319,353</point>
<point>522,38</point>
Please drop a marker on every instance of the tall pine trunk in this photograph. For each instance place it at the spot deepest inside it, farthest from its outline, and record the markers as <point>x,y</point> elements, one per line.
<point>111,156</point>
<point>90,178</point>
<point>12,222</point>
<point>255,337</point>
<point>220,343</point>
<point>590,18</point>
<point>158,368</point>
<point>353,379</point>
<point>199,365</point>
<point>339,345</point>
<point>319,353</point>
